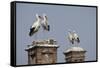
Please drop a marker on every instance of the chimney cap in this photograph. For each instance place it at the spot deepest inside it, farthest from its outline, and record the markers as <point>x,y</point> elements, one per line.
<point>74,49</point>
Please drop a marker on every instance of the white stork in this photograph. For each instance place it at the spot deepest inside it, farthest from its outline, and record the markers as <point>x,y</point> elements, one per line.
<point>36,25</point>
<point>76,37</point>
<point>45,23</point>
<point>71,37</point>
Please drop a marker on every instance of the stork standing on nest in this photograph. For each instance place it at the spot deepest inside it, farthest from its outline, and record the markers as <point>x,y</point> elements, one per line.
<point>70,37</point>
<point>76,37</point>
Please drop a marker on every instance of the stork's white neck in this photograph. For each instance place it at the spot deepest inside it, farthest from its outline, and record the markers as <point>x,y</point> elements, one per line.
<point>38,19</point>
<point>44,18</point>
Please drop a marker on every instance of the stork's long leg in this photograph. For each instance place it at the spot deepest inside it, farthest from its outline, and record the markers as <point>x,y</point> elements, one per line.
<point>78,40</point>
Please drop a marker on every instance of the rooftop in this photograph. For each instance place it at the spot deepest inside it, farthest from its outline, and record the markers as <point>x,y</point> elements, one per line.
<point>43,43</point>
<point>49,41</point>
<point>75,49</point>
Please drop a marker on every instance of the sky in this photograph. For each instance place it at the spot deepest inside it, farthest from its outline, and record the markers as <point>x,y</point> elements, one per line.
<point>61,19</point>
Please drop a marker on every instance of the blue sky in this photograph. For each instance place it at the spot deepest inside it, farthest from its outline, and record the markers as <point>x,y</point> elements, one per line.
<point>60,18</point>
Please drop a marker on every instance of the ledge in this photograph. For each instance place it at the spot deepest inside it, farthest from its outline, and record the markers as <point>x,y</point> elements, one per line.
<point>44,45</point>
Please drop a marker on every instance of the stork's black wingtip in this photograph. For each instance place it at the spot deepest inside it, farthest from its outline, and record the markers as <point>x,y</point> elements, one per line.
<point>29,34</point>
<point>48,27</point>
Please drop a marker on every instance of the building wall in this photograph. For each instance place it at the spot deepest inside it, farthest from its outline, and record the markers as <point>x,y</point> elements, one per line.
<point>42,55</point>
<point>75,56</point>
